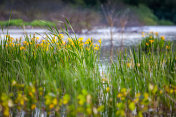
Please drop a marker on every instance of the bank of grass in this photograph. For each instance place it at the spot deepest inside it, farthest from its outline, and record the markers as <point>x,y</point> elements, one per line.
<point>147,16</point>
<point>63,78</point>
<point>20,22</point>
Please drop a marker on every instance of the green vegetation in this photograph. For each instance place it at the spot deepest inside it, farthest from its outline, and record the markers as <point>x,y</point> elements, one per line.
<point>164,10</point>
<point>146,16</point>
<point>153,43</point>
<point>63,78</point>
<point>20,22</point>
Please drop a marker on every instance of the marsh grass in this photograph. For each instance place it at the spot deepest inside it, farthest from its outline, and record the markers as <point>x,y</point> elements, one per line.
<point>20,22</point>
<point>63,78</point>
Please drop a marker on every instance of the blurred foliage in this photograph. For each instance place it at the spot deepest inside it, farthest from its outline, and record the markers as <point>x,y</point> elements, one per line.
<point>20,22</point>
<point>164,10</point>
<point>146,15</point>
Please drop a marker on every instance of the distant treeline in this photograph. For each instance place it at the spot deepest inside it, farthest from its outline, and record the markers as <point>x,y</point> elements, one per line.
<point>163,9</point>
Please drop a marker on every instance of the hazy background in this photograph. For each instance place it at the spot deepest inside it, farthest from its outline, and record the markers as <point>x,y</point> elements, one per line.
<point>85,14</point>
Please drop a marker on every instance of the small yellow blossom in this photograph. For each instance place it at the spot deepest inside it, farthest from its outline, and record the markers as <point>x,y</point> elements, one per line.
<point>51,106</point>
<point>6,113</point>
<point>167,47</point>
<point>107,89</point>
<point>161,91</point>
<point>119,95</point>
<point>89,111</point>
<point>128,65</point>
<point>33,106</point>
<point>22,48</point>
<point>146,95</point>
<point>99,41</point>
<point>132,106</point>
<point>43,41</point>
<point>137,95</point>
<point>96,48</point>
<point>80,39</point>
<point>55,101</point>
<point>162,38</point>
<point>86,42</point>
<point>61,36</point>
<point>151,41</point>
<point>37,38</point>
<point>147,44</point>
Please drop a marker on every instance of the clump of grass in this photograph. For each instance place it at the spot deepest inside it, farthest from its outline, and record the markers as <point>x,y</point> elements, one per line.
<point>13,22</point>
<point>20,22</point>
<point>147,16</point>
<point>62,78</point>
<point>165,22</point>
<point>41,23</point>
<point>153,42</point>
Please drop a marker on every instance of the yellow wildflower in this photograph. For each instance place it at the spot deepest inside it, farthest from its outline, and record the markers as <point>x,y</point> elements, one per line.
<point>7,36</point>
<point>66,99</point>
<point>51,106</point>
<point>107,89</point>
<point>80,39</point>
<point>22,48</point>
<point>89,111</point>
<point>132,106</point>
<point>136,100</point>
<point>167,47</point>
<point>161,91</point>
<point>33,106</point>
<point>137,95</point>
<point>162,38</point>
<point>43,41</point>
<point>61,36</point>
<point>96,48</point>
<point>128,65</point>
<point>147,44</point>
<point>119,95</point>
<point>6,112</point>
<point>99,41</point>
<point>86,42</point>
<point>55,101</point>
<point>151,41</point>
<point>22,102</point>
<point>89,40</point>
<point>37,38</point>
<point>146,95</point>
